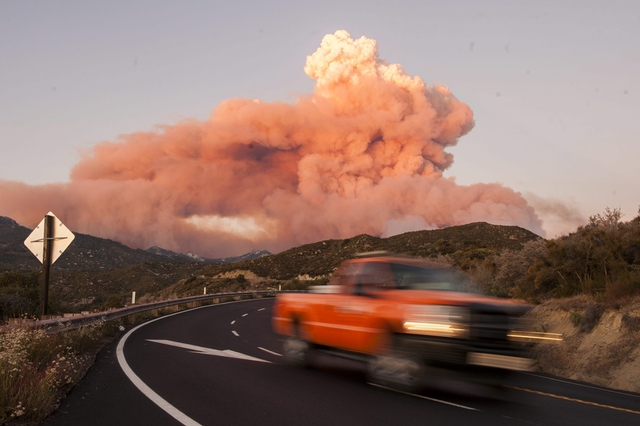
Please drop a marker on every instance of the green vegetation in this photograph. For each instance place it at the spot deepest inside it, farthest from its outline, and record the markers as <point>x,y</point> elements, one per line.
<point>297,284</point>
<point>601,259</point>
<point>463,246</point>
<point>575,318</point>
<point>19,294</point>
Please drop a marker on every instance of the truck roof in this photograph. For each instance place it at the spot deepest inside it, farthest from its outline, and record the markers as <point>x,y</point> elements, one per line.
<point>399,259</point>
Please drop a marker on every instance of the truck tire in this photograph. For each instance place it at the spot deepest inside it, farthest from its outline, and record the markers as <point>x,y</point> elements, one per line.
<point>396,369</point>
<point>297,351</point>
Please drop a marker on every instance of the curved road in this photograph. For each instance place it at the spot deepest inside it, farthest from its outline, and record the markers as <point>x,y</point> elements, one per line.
<point>221,365</point>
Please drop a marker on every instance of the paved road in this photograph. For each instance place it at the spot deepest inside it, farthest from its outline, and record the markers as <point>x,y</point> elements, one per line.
<point>220,365</point>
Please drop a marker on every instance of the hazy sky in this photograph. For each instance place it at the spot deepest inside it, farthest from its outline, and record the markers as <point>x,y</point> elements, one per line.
<point>554,86</point>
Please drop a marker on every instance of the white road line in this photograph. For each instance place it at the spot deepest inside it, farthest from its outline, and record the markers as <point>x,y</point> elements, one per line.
<point>427,398</point>
<point>227,353</point>
<point>245,315</point>
<point>142,386</point>
<point>261,309</point>
<point>235,333</point>
<point>146,390</point>
<point>233,322</point>
<point>268,351</point>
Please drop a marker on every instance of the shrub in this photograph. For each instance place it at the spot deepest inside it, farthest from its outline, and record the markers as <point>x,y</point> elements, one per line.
<point>512,268</point>
<point>297,284</point>
<point>630,323</point>
<point>575,318</point>
<point>19,294</point>
<point>37,368</point>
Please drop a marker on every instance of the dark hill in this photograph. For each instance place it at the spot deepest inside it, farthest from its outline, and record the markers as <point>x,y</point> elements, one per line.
<point>461,243</point>
<point>85,253</point>
<point>89,253</point>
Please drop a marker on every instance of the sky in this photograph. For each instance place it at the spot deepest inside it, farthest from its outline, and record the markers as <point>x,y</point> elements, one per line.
<point>553,88</point>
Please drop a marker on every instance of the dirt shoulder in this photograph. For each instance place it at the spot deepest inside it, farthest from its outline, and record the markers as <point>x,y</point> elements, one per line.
<point>601,344</point>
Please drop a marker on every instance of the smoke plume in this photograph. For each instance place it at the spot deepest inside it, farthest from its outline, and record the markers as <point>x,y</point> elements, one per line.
<point>364,153</point>
<point>561,217</point>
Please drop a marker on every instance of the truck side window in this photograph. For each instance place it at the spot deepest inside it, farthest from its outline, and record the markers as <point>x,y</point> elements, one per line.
<point>346,275</point>
<point>376,276</point>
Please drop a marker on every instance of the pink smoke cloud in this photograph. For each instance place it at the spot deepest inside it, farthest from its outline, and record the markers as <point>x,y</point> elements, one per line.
<point>364,153</point>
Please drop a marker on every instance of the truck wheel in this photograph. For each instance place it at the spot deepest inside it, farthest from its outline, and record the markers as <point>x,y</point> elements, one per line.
<point>297,351</point>
<point>397,370</point>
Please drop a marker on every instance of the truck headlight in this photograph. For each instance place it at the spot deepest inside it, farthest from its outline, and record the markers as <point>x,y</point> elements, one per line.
<point>437,320</point>
<point>533,336</point>
<point>522,331</point>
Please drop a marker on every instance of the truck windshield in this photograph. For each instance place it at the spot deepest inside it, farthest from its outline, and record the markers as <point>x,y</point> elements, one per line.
<point>417,278</point>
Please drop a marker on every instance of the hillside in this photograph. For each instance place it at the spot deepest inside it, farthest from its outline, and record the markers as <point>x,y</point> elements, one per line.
<point>95,273</point>
<point>471,241</point>
<point>86,253</point>
<point>601,343</point>
<point>89,253</point>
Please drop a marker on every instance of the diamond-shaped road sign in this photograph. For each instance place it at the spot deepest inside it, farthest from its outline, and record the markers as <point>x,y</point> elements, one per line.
<point>62,237</point>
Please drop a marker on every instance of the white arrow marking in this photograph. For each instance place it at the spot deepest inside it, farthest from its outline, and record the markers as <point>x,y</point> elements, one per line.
<point>227,353</point>
<point>268,351</point>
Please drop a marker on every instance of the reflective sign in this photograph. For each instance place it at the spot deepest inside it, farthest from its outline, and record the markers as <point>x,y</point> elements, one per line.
<point>62,237</point>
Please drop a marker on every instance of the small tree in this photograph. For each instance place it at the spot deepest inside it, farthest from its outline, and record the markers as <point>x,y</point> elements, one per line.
<point>512,267</point>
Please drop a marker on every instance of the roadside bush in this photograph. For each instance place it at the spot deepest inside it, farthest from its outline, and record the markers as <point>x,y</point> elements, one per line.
<point>575,318</point>
<point>483,275</point>
<point>296,284</point>
<point>630,323</point>
<point>512,269</point>
<point>37,369</point>
<point>19,294</point>
<point>597,259</point>
<point>114,301</point>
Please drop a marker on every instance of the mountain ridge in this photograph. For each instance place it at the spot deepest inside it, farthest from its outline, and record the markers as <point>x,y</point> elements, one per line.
<point>88,253</point>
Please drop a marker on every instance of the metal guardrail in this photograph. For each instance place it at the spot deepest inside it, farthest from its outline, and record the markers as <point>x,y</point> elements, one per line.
<point>55,325</point>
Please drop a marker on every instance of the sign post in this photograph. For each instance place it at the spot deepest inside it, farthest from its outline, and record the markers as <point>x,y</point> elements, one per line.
<point>47,242</point>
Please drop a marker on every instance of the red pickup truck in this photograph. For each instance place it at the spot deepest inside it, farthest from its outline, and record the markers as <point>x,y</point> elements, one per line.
<point>404,316</point>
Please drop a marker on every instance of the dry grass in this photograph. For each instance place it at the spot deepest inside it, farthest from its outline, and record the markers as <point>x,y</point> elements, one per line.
<point>611,357</point>
<point>37,369</point>
<point>601,345</point>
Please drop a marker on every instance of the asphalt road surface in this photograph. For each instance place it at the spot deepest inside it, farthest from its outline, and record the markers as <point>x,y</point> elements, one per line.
<point>221,365</point>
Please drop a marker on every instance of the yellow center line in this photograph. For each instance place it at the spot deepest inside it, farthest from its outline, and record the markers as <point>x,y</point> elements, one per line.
<point>566,398</point>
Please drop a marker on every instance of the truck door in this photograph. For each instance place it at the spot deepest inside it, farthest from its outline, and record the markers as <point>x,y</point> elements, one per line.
<point>326,326</point>
<point>357,315</point>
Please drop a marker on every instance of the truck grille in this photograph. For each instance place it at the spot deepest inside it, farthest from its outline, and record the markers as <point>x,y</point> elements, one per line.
<point>489,327</point>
